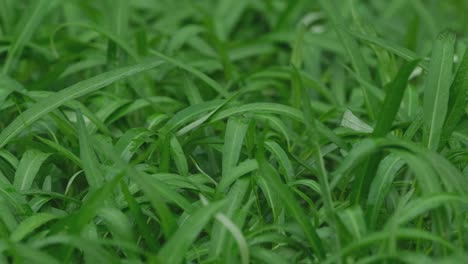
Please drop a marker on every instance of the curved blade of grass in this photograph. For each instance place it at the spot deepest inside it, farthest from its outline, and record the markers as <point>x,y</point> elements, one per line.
<point>268,256</point>
<point>156,191</point>
<point>30,224</point>
<point>353,220</point>
<point>353,51</point>
<point>130,142</point>
<point>179,157</point>
<point>385,119</point>
<point>176,247</point>
<point>236,172</point>
<point>262,108</point>
<point>32,255</point>
<point>62,150</point>
<point>437,88</point>
<point>404,53</point>
<point>237,234</point>
<point>234,200</point>
<point>381,185</point>
<point>49,104</point>
<point>77,221</point>
<point>355,157</point>
<point>115,38</point>
<point>422,205</point>
<point>28,168</point>
<point>457,99</point>
<point>205,78</point>
<point>191,112</point>
<point>119,226</point>
<point>88,157</point>
<point>393,99</point>
<point>140,221</point>
<point>30,21</point>
<point>282,158</point>
<point>235,132</point>
<point>292,206</point>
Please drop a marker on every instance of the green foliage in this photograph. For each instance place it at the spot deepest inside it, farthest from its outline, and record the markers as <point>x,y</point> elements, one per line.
<point>233,131</point>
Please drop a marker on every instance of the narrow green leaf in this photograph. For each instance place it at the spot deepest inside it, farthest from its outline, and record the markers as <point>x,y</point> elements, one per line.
<point>30,21</point>
<point>437,88</point>
<point>88,156</point>
<point>176,247</point>
<point>30,224</point>
<point>381,185</point>
<point>293,207</point>
<point>392,101</point>
<point>140,221</point>
<point>235,132</point>
<point>79,89</point>
<point>353,51</point>
<point>28,168</point>
<point>179,157</point>
<point>212,83</point>
<point>386,117</point>
<point>458,99</point>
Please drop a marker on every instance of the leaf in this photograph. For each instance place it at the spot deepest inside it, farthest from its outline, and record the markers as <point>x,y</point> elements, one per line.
<point>179,157</point>
<point>130,142</point>
<point>119,226</point>
<point>30,224</point>
<point>30,21</point>
<point>181,36</point>
<point>393,99</point>
<point>205,78</point>
<point>79,89</point>
<point>235,133</point>
<point>353,122</point>
<point>227,14</point>
<point>88,157</point>
<point>458,99</point>
<point>187,114</point>
<point>291,204</point>
<point>140,221</point>
<point>272,108</point>
<point>282,158</point>
<point>381,186</point>
<point>28,168</point>
<point>77,221</point>
<point>353,219</point>
<point>385,119</point>
<point>404,53</point>
<point>425,204</point>
<point>235,173</point>
<point>237,234</point>
<point>268,256</point>
<point>234,201</point>
<point>176,247</point>
<point>437,88</point>
<point>61,150</point>
<point>353,51</point>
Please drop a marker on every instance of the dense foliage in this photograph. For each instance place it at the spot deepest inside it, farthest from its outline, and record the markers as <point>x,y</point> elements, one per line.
<point>233,131</point>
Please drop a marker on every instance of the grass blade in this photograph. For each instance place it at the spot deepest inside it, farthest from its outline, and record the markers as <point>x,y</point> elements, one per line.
<point>457,99</point>
<point>175,249</point>
<point>386,117</point>
<point>82,88</point>
<point>88,156</point>
<point>353,51</point>
<point>28,168</point>
<point>31,20</point>
<point>437,88</point>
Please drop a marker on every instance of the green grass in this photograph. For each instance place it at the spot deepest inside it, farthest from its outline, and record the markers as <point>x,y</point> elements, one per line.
<point>233,131</point>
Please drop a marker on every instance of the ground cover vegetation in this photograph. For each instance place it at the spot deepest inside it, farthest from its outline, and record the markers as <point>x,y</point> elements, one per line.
<point>233,131</point>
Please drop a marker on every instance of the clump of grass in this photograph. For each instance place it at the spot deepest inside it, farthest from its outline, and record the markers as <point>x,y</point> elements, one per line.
<point>233,132</point>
